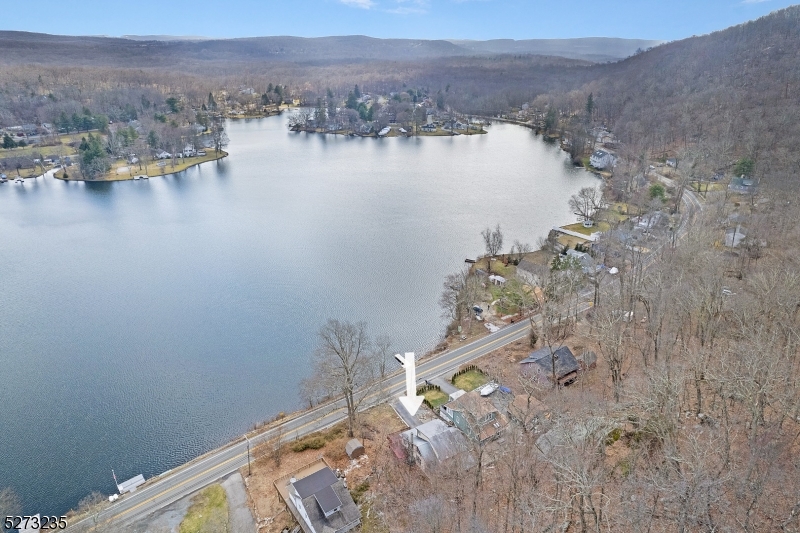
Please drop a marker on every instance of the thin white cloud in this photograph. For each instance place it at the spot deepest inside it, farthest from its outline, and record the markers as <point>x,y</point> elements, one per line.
<point>409,7</point>
<point>363,4</point>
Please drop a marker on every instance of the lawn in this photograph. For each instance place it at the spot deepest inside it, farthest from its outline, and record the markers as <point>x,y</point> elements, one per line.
<point>497,267</point>
<point>436,397</point>
<point>578,228</point>
<point>569,241</point>
<point>209,511</point>
<point>153,169</point>
<point>46,151</point>
<point>470,380</point>
<point>181,164</point>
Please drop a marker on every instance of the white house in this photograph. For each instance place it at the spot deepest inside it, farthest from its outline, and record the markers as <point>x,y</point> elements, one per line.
<point>601,159</point>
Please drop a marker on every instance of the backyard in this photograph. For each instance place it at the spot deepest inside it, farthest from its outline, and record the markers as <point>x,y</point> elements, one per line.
<point>470,380</point>
<point>436,397</point>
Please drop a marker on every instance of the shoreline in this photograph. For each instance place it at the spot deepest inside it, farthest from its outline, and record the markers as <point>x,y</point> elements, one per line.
<point>393,133</point>
<point>151,171</point>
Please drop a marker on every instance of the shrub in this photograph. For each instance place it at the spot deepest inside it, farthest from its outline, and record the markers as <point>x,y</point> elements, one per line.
<point>308,443</point>
<point>657,191</point>
<point>614,436</point>
<point>358,492</point>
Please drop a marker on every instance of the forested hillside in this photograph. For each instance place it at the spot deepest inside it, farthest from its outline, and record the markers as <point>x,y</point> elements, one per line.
<point>729,94</point>
<point>732,93</point>
<point>21,47</point>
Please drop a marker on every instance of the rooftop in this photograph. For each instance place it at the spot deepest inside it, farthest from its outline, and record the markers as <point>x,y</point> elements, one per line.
<point>564,360</point>
<point>323,496</point>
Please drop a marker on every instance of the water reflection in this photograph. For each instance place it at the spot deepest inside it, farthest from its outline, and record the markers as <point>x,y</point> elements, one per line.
<point>179,311</point>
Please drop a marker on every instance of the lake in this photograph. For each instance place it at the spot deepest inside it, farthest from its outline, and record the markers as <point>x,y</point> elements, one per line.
<point>147,322</point>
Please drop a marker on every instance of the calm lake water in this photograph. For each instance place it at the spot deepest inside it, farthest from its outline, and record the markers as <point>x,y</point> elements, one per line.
<point>143,323</point>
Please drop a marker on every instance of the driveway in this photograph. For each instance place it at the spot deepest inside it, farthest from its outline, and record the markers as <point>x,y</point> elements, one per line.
<point>241,517</point>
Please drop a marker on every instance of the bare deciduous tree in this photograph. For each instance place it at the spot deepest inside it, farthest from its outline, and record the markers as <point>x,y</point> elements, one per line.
<point>344,363</point>
<point>493,242</point>
<point>587,203</point>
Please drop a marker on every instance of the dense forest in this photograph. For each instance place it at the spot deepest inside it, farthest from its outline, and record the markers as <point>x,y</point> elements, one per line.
<point>729,94</point>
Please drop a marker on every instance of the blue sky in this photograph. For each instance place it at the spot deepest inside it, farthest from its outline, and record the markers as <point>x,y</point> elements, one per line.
<point>425,19</point>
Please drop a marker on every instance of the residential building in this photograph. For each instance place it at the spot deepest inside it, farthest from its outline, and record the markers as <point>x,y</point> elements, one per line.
<point>540,364</point>
<point>430,445</point>
<point>529,272</point>
<point>476,416</point>
<point>601,159</point>
<point>319,500</point>
<point>742,185</point>
<point>586,261</point>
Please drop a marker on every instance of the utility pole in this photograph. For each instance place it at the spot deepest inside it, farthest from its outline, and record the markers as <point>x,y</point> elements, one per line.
<point>248,455</point>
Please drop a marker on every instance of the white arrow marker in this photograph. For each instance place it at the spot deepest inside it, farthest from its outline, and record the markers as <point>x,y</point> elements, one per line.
<point>410,401</point>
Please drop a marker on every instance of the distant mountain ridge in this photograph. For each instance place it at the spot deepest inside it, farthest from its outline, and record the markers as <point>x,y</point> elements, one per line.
<point>163,37</point>
<point>154,50</point>
<point>587,48</point>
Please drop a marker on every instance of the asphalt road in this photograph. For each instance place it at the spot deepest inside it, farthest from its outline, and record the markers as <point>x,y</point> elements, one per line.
<point>174,485</point>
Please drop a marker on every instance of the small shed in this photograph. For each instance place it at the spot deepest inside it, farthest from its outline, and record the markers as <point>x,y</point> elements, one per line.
<point>130,485</point>
<point>354,449</point>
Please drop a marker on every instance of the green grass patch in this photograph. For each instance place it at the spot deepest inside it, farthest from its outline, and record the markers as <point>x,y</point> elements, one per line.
<point>436,397</point>
<point>578,228</point>
<point>46,151</point>
<point>497,267</point>
<point>208,512</point>
<point>619,212</point>
<point>470,380</point>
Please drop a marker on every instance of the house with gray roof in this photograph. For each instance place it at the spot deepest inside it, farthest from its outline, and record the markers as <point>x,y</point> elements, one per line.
<point>320,501</point>
<point>743,185</point>
<point>433,443</point>
<point>540,363</point>
<point>585,260</point>
<point>530,272</point>
<point>601,159</point>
